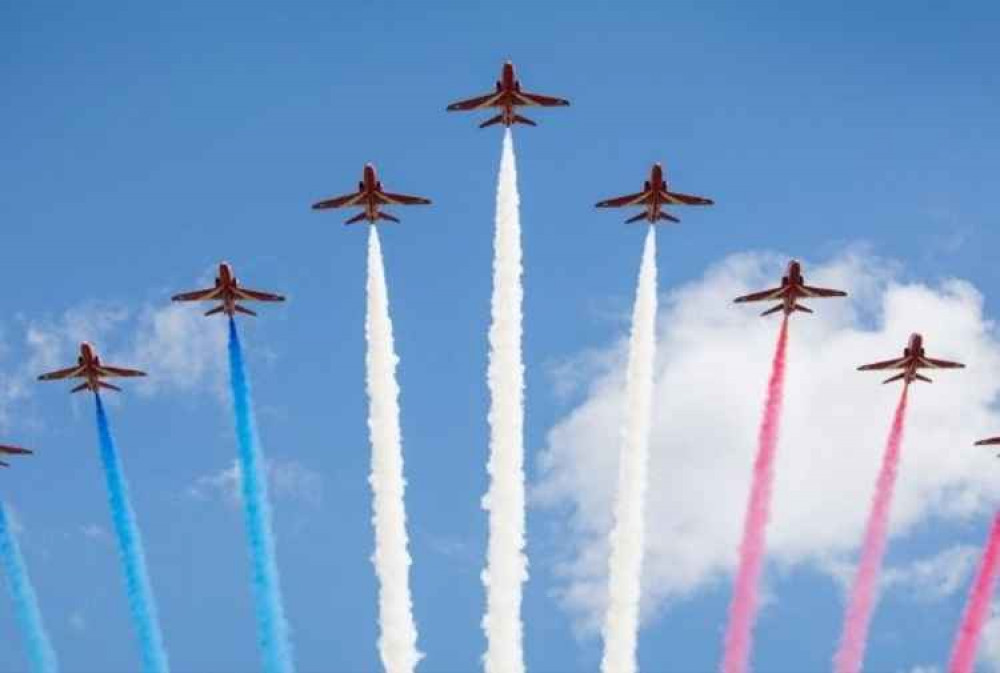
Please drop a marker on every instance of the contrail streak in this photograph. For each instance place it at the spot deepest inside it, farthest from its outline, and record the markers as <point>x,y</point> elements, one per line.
<point>977,610</point>
<point>506,565</point>
<point>140,594</point>
<point>398,640</point>
<point>743,608</point>
<point>272,628</point>
<point>621,623</point>
<point>29,616</point>
<point>859,608</point>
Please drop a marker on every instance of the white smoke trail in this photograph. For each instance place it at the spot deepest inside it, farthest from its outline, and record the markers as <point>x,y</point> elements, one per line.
<point>621,622</point>
<point>506,565</point>
<point>398,639</point>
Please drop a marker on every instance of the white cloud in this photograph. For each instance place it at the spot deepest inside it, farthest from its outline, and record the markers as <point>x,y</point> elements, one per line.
<point>286,479</point>
<point>989,643</point>
<point>711,374</point>
<point>933,578</point>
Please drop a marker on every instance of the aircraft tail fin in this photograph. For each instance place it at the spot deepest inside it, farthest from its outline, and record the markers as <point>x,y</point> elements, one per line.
<point>803,309</point>
<point>518,119</point>
<point>491,121</point>
<point>771,311</point>
<point>387,217</point>
<point>79,388</point>
<point>216,310</point>
<point>357,218</point>
<point>242,309</point>
<point>667,216</point>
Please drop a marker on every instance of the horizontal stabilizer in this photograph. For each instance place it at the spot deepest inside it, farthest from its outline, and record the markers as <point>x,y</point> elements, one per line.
<point>388,217</point>
<point>518,119</point>
<point>923,378</point>
<point>667,216</point>
<point>243,310</point>
<point>81,387</point>
<point>216,310</point>
<point>771,311</point>
<point>108,386</point>
<point>357,218</point>
<point>641,216</point>
<point>803,309</point>
<point>491,121</point>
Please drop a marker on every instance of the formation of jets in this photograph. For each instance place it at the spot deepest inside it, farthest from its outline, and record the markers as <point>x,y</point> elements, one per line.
<point>370,197</point>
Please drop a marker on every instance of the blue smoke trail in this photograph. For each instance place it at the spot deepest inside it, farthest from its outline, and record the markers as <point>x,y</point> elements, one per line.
<point>272,628</point>
<point>140,593</point>
<point>40,652</point>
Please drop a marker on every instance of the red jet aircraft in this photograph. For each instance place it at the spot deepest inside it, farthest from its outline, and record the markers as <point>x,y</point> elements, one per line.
<point>12,450</point>
<point>653,197</point>
<point>793,286</point>
<point>992,441</point>
<point>227,290</point>
<point>507,97</point>
<point>913,359</point>
<point>369,197</point>
<point>89,367</point>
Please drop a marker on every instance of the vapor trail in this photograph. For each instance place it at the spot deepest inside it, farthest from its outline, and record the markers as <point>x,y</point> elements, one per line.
<point>743,607</point>
<point>29,617</point>
<point>977,610</point>
<point>621,623</point>
<point>859,608</point>
<point>272,628</point>
<point>140,594</point>
<point>506,564</point>
<point>398,639</point>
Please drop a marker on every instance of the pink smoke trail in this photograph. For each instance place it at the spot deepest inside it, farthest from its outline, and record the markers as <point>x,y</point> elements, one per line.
<point>859,609</point>
<point>963,657</point>
<point>743,608</point>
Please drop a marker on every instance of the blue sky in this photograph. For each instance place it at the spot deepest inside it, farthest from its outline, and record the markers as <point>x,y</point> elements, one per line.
<point>143,144</point>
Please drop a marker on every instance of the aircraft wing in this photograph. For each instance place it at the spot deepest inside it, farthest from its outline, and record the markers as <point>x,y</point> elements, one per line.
<point>808,291</point>
<point>538,99</point>
<point>402,199</point>
<point>340,201</point>
<point>899,363</point>
<point>106,370</point>
<point>624,201</point>
<point>489,100</point>
<point>766,295</point>
<point>931,363</point>
<point>14,450</point>
<point>256,295</point>
<point>198,295</point>
<point>988,442</point>
<point>685,199</point>
<point>67,373</point>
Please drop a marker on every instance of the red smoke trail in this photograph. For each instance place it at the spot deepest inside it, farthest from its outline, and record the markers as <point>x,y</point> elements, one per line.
<point>859,610</point>
<point>963,657</point>
<point>743,608</point>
